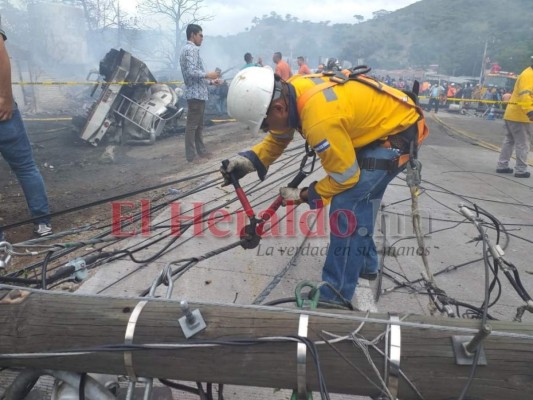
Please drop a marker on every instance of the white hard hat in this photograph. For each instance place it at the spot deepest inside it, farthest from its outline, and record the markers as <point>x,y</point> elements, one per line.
<point>249,96</point>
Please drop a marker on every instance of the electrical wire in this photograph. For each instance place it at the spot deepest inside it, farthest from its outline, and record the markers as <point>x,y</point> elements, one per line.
<point>290,158</point>
<point>484,317</point>
<point>499,227</point>
<point>44,269</point>
<point>106,200</point>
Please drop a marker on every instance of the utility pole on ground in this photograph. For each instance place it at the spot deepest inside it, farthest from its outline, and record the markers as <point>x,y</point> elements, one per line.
<point>33,321</point>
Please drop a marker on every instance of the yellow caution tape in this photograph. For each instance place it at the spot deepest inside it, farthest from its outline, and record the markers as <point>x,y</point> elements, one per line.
<point>48,119</point>
<point>480,101</point>
<point>72,83</point>
<point>223,120</point>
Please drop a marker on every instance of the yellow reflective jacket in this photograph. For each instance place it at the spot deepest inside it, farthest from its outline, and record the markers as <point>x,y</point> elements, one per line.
<point>523,96</point>
<point>336,122</point>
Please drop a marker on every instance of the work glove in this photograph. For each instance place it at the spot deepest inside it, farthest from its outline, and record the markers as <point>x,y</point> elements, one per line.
<point>239,166</point>
<point>294,195</point>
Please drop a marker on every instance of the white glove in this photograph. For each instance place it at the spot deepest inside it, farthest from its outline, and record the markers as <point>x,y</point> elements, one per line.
<point>294,195</point>
<point>239,166</point>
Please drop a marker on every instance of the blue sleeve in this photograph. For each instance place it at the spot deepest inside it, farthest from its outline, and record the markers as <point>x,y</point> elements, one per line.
<point>313,198</point>
<point>259,167</point>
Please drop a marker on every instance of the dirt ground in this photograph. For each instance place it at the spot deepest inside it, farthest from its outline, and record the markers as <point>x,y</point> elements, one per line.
<point>77,173</point>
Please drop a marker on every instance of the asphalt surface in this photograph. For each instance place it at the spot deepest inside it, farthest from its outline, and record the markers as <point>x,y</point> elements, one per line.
<point>473,129</point>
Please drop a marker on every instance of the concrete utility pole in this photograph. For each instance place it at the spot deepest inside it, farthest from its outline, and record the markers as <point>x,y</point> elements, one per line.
<point>33,321</point>
<point>482,73</point>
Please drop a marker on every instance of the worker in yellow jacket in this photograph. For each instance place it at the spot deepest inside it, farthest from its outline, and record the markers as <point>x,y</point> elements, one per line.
<point>518,118</point>
<point>347,125</point>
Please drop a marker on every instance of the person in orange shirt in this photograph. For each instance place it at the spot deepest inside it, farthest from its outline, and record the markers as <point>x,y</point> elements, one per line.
<point>304,69</point>
<point>282,68</point>
<point>424,88</point>
<point>451,90</point>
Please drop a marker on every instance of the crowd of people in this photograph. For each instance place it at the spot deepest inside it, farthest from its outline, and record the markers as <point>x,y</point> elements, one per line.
<point>218,93</point>
<point>440,93</point>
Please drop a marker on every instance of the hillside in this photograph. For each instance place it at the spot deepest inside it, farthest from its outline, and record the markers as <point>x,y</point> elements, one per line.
<point>450,33</point>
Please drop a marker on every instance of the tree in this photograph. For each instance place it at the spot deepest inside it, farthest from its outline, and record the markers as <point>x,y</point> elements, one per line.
<point>359,18</point>
<point>104,14</point>
<point>380,13</point>
<point>180,13</point>
<point>16,23</point>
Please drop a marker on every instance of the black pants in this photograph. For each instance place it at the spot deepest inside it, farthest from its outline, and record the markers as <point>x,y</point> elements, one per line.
<point>194,141</point>
<point>435,102</point>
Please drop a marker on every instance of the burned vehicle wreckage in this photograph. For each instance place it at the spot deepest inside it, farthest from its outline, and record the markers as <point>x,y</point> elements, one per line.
<point>132,107</point>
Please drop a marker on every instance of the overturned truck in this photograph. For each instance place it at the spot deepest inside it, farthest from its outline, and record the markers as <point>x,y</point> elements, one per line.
<point>132,108</point>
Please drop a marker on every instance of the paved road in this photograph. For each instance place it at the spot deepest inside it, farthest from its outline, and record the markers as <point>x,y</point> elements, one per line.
<point>476,130</point>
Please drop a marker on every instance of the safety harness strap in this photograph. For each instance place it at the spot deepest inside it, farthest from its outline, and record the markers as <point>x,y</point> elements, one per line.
<point>311,92</point>
<point>336,80</point>
<point>372,164</point>
<point>347,75</point>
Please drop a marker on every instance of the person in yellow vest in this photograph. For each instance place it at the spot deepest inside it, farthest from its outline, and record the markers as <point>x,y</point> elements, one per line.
<point>351,127</point>
<point>518,118</point>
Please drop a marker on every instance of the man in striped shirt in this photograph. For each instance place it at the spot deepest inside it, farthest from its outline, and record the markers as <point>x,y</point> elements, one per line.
<point>196,81</point>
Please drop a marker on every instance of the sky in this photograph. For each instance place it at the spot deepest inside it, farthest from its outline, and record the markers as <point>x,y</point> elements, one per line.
<point>234,16</point>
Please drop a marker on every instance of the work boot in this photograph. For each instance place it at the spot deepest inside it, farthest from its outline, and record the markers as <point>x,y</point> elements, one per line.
<point>195,161</point>
<point>207,155</point>
<point>42,229</point>
<point>522,175</point>
<point>370,276</point>
<point>505,170</point>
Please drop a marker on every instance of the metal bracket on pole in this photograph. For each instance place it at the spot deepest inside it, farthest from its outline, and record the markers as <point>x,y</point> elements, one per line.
<point>302,393</point>
<point>465,347</point>
<point>301,360</point>
<point>192,322</point>
<point>393,353</point>
<point>128,339</point>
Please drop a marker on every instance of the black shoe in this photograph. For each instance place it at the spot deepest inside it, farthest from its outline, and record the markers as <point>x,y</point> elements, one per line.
<point>370,277</point>
<point>506,170</point>
<point>522,175</point>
